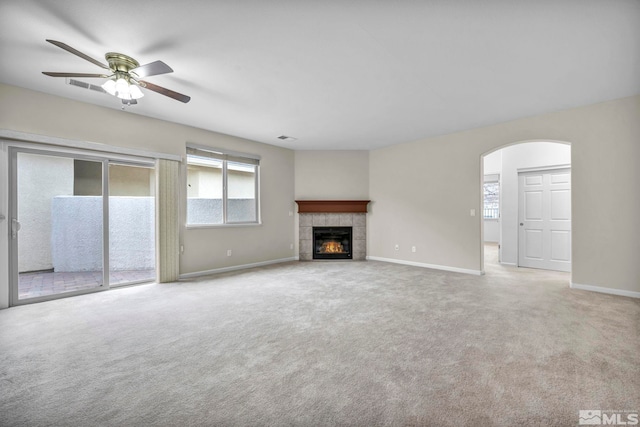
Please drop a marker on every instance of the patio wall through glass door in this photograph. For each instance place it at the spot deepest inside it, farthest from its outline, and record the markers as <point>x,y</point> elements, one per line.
<point>131,224</point>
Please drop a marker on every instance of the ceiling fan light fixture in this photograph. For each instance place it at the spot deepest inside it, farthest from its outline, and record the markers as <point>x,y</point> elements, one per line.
<point>122,88</point>
<point>110,87</point>
<point>135,92</point>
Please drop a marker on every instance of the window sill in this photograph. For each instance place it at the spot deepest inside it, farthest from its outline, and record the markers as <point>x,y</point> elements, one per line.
<point>234,225</point>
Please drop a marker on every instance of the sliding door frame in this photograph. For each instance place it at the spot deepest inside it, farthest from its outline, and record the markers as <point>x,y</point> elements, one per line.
<point>106,188</point>
<point>105,158</point>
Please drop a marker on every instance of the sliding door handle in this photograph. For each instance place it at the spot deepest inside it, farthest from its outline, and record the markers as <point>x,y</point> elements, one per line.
<point>15,227</point>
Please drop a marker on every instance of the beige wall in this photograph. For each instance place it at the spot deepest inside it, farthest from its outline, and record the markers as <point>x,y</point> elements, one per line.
<point>422,192</point>
<point>133,181</point>
<point>332,175</point>
<point>204,249</point>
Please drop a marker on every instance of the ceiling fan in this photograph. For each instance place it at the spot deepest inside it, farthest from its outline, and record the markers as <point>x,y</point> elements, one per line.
<point>124,77</point>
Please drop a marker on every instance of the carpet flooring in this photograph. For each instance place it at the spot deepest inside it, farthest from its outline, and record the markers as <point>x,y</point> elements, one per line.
<point>324,344</point>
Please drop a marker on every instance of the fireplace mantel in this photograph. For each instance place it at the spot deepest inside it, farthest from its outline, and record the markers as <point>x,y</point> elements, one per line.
<point>332,206</point>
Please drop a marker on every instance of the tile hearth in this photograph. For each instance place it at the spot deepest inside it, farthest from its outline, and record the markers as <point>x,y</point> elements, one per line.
<point>356,220</point>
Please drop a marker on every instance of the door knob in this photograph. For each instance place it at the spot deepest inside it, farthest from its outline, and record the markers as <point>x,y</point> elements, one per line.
<point>521,224</point>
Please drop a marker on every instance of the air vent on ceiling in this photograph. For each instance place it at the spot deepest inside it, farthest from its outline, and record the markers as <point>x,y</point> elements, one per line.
<point>85,85</point>
<point>287,138</point>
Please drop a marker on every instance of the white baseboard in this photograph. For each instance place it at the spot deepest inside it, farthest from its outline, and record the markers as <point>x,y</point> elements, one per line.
<point>510,264</point>
<point>236,267</point>
<point>423,265</point>
<point>602,290</point>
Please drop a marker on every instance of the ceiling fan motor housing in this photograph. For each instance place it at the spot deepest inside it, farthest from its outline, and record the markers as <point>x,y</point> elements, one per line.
<point>121,62</point>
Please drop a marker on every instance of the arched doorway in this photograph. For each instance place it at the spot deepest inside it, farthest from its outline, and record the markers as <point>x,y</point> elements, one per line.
<point>504,169</point>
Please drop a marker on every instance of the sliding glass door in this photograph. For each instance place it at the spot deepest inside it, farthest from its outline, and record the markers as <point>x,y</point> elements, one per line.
<point>56,234</point>
<point>64,239</point>
<point>131,224</point>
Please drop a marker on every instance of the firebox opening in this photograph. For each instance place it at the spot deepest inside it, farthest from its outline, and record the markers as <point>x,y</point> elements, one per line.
<point>332,242</point>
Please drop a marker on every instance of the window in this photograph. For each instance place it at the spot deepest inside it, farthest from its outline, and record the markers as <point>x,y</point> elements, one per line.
<point>222,187</point>
<point>491,208</point>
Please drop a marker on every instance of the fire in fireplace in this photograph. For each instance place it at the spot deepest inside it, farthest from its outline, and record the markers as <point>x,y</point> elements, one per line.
<point>332,243</point>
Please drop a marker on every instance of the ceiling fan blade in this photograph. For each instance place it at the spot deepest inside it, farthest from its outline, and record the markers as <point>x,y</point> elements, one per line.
<point>53,74</point>
<point>166,92</point>
<point>129,101</point>
<point>77,53</point>
<point>152,69</point>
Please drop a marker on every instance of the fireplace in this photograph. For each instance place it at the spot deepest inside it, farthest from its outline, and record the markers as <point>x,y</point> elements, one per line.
<point>332,243</point>
<point>336,216</point>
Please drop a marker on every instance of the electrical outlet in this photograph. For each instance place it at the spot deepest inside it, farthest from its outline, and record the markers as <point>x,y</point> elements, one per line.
<point>413,248</point>
<point>472,212</point>
<point>290,213</point>
<point>397,248</point>
<point>290,245</point>
<point>228,252</point>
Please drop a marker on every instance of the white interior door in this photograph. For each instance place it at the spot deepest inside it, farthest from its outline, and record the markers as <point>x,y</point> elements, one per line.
<point>544,216</point>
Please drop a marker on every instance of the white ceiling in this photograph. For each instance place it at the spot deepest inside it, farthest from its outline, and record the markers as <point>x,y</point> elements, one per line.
<point>337,74</point>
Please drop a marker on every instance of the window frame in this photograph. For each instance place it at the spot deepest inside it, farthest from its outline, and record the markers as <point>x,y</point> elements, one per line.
<point>225,157</point>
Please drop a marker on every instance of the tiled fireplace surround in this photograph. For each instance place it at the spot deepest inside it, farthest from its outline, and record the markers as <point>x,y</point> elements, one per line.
<point>333,213</point>
<point>355,220</point>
